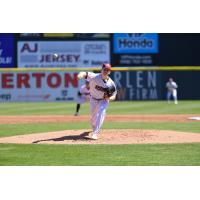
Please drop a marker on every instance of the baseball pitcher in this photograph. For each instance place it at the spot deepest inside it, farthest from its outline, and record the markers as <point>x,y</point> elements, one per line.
<point>102,90</point>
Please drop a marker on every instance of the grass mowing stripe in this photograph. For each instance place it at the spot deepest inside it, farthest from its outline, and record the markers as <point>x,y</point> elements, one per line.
<point>193,127</point>
<point>132,107</point>
<point>20,129</point>
<point>36,108</point>
<point>67,108</point>
<point>162,108</point>
<point>100,155</point>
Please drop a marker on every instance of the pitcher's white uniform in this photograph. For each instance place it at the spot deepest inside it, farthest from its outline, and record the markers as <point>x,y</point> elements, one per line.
<point>84,95</point>
<point>172,90</point>
<point>99,99</point>
<point>98,104</point>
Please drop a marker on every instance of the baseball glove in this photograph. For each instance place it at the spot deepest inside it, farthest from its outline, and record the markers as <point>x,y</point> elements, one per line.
<point>109,91</point>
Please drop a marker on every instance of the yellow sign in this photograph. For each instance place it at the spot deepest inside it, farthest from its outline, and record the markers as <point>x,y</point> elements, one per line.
<point>58,34</point>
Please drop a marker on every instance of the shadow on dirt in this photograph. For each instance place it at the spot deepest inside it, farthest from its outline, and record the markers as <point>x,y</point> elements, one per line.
<point>82,136</point>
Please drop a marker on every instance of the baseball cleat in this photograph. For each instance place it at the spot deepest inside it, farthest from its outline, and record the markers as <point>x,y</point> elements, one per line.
<point>94,137</point>
<point>76,114</point>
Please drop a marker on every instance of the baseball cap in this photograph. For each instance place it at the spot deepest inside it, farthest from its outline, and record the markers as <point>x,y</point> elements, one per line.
<point>107,66</point>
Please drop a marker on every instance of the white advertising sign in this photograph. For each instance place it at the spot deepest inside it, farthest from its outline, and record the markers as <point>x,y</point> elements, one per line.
<point>38,86</point>
<point>62,53</point>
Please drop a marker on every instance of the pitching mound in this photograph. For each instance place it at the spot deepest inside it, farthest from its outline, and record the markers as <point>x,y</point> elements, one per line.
<point>122,136</point>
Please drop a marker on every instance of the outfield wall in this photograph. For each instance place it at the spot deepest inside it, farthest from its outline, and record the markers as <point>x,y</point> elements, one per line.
<point>58,85</point>
<point>38,86</point>
<point>150,85</point>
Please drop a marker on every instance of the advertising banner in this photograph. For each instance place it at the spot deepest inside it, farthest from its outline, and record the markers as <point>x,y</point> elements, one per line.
<point>134,60</point>
<point>135,43</point>
<point>6,50</point>
<point>135,49</point>
<point>38,86</point>
<point>137,85</point>
<point>62,53</point>
<point>64,86</point>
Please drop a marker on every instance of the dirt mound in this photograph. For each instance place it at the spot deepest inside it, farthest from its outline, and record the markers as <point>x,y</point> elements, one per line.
<point>106,136</point>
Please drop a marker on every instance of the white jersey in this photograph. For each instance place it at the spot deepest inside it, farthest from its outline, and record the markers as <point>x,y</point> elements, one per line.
<point>98,85</point>
<point>171,86</point>
<point>84,95</point>
<point>84,91</point>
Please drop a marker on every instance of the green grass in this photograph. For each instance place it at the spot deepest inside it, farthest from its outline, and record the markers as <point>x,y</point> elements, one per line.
<point>100,155</point>
<point>127,107</point>
<point>21,129</point>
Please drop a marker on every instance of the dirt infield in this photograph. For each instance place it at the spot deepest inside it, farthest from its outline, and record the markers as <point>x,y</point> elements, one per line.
<point>107,136</point>
<point>66,118</point>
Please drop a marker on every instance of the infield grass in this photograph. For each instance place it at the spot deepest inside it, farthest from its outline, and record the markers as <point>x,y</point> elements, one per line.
<point>99,155</point>
<point>21,129</point>
<point>125,107</point>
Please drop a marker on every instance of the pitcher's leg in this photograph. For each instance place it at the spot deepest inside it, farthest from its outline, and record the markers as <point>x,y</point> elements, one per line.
<point>77,109</point>
<point>175,97</point>
<point>93,113</point>
<point>168,97</point>
<point>100,115</point>
<point>79,101</point>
